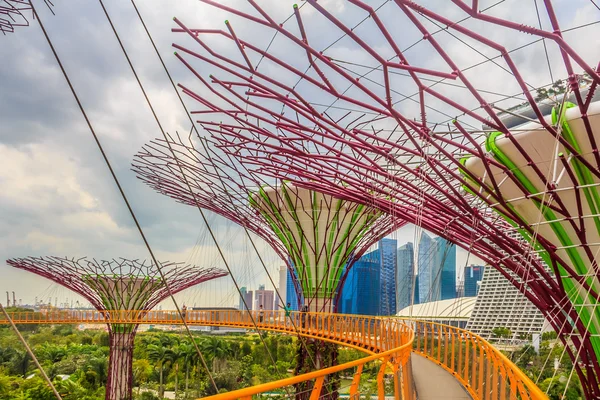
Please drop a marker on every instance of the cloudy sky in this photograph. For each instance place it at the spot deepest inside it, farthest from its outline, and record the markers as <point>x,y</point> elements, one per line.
<point>56,194</point>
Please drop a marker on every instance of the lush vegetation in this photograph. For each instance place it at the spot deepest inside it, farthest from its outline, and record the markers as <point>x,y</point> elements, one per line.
<point>552,368</point>
<point>163,361</point>
<point>167,361</point>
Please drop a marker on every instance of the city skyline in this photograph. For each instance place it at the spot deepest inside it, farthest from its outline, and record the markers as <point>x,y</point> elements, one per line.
<point>232,298</point>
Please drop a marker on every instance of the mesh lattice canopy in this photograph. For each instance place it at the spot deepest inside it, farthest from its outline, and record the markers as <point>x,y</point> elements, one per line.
<point>399,105</point>
<point>316,234</point>
<point>14,14</point>
<point>117,284</point>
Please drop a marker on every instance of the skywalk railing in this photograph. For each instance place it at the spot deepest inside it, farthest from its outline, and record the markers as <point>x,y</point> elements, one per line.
<point>483,370</point>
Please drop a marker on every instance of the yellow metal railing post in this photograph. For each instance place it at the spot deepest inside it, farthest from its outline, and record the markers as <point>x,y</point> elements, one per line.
<point>425,338</point>
<point>446,334</point>
<point>452,352</point>
<point>356,382</point>
<point>481,361</point>
<point>489,372</point>
<point>460,352</point>
<point>316,390</point>
<point>439,343</point>
<point>474,363</point>
<point>504,382</point>
<point>466,359</point>
<point>380,376</point>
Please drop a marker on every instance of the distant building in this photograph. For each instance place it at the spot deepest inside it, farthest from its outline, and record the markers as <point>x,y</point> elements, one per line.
<point>501,305</point>
<point>282,289</point>
<point>446,258</point>
<point>460,288</point>
<point>243,292</point>
<point>291,292</point>
<point>436,269</point>
<point>361,291</point>
<point>454,312</point>
<point>213,329</point>
<point>263,297</point>
<point>248,299</point>
<point>472,280</point>
<point>406,277</point>
<point>430,270</point>
<point>387,256</point>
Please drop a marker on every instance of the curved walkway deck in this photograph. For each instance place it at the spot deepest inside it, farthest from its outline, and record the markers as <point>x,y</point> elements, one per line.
<point>433,382</point>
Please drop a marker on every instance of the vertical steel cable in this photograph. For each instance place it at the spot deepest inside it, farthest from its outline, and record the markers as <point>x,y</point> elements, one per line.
<point>30,352</point>
<point>220,180</point>
<point>118,184</point>
<point>189,188</point>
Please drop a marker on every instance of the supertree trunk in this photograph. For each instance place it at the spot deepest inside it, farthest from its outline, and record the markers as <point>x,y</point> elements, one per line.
<point>119,385</point>
<point>313,355</point>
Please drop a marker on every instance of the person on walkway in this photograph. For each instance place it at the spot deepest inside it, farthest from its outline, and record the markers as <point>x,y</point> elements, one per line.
<point>261,313</point>
<point>304,312</point>
<point>183,311</point>
<point>287,309</point>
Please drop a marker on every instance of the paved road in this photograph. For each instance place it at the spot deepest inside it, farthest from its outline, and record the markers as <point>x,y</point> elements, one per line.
<point>434,383</point>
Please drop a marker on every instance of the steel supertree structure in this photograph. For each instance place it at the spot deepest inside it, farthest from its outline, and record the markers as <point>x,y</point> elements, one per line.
<point>13,14</point>
<point>118,285</point>
<point>317,235</point>
<point>424,136</point>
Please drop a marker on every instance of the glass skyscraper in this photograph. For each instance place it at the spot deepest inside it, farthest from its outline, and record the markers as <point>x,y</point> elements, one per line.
<point>472,279</point>
<point>437,269</point>
<point>369,287</point>
<point>361,290</point>
<point>429,271</point>
<point>387,255</point>
<point>291,293</point>
<point>446,252</point>
<point>406,277</point>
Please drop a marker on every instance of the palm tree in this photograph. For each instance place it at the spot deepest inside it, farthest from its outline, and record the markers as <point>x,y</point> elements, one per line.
<point>176,356</point>
<point>159,355</point>
<point>19,362</point>
<point>141,371</point>
<point>216,350</point>
<point>52,352</point>
<point>96,370</point>
<point>189,356</point>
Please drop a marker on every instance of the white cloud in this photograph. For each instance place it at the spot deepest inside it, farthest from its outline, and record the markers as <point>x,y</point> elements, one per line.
<point>56,194</point>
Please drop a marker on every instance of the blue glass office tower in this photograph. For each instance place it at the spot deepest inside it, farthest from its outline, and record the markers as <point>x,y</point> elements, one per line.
<point>473,275</point>
<point>361,289</point>
<point>291,293</point>
<point>437,269</point>
<point>387,255</point>
<point>406,277</point>
<point>446,257</point>
<point>429,270</point>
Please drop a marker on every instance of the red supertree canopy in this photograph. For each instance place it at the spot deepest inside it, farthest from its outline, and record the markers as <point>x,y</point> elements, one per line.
<point>139,283</point>
<point>13,14</point>
<point>395,105</point>
<point>196,172</point>
<point>118,284</point>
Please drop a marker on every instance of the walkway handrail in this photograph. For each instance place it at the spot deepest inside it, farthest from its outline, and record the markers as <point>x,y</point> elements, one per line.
<point>366,333</point>
<point>482,369</point>
<point>388,340</point>
<point>386,359</point>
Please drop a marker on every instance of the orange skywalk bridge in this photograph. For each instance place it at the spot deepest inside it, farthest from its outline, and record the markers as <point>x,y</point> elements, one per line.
<point>483,371</point>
